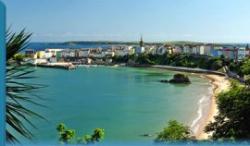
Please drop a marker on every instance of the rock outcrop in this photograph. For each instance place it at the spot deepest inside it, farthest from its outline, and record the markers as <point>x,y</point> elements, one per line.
<point>178,78</point>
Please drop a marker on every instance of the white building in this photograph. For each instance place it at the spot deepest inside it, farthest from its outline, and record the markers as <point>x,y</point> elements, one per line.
<point>242,53</point>
<point>195,50</point>
<point>186,49</point>
<point>205,50</point>
<point>51,52</point>
<point>72,53</point>
<point>84,53</point>
<point>120,52</point>
<point>96,55</point>
<point>39,61</point>
<point>141,48</point>
<point>108,53</point>
<point>89,61</point>
<point>152,50</point>
<point>65,53</point>
<point>131,50</point>
<point>202,50</point>
<point>161,50</point>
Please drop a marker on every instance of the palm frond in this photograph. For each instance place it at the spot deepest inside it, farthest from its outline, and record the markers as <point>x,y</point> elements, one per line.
<point>16,43</point>
<point>18,92</point>
<point>11,137</point>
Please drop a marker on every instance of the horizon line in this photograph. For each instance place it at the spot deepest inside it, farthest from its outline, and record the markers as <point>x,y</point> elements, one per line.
<point>115,41</point>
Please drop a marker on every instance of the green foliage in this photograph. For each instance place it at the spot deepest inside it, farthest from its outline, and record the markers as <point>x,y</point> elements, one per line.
<point>246,67</point>
<point>185,60</point>
<point>216,64</point>
<point>247,80</point>
<point>98,135</point>
<point>61,128</point>
<point>233,119</point>
<point>18,93</point>
<point>86,139</point>
<point>19,57</point>
<point>174,132</point>
<point>236,68</point>
<point>143,59</point>
<point>120,59</point>
<point>67,135</point>
<point>241,68</point>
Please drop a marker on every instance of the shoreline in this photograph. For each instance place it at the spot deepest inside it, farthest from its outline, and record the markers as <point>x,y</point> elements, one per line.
<point>219,84</point>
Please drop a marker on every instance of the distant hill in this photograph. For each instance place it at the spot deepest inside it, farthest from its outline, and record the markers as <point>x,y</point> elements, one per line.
<point>184,43</point>
<point>203,43</point>
<point>112,42</point>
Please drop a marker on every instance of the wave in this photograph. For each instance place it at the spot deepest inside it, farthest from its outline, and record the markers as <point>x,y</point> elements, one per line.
<point>203,105</point>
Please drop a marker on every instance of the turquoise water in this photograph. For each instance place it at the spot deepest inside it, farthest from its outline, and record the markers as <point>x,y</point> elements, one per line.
<point>126,102</point>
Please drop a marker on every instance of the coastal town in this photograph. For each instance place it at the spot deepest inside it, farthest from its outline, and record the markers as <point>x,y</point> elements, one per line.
<point>69,58</point>
<point>155,72</point>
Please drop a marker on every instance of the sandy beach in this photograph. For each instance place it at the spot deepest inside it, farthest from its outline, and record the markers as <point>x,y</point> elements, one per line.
<point>220,84</point>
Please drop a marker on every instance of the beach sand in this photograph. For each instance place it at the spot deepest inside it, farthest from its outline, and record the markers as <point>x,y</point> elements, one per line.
<point>220,84</point>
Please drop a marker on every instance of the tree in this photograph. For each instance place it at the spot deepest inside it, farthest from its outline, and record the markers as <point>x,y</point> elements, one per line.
<point>97,135</point>
<point>143,59</point>
<point>174,132</point>
<point>18,93</point>
<point>216,64</point>
<point>246,67</point>
<point>19,57</point>
<point>67,136</point>
<point>233,121</point>
<point>61,128</point>
<point>247,80</point>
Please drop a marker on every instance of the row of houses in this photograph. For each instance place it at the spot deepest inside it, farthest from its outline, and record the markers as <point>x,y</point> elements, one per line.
<point>62,55</point>
<point>231,52</point>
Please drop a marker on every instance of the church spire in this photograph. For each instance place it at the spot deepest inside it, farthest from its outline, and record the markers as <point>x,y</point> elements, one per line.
<point>141,42</point>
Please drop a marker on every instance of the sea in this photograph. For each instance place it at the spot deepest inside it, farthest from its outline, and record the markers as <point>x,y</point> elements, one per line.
<point>128,103</point>
<point>70,45</point>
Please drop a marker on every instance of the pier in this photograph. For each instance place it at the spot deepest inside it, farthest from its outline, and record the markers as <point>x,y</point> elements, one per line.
<point>62,65</point>
<point>186,69</point>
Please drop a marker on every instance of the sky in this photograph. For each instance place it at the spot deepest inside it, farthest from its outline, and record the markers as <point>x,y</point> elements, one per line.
<point>126,20</point>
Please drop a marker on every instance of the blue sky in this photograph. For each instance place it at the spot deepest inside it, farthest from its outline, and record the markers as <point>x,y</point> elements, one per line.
<point>126,20</point>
